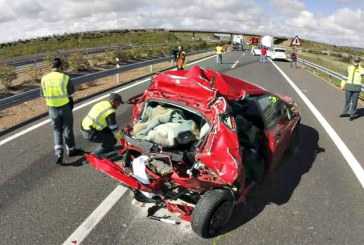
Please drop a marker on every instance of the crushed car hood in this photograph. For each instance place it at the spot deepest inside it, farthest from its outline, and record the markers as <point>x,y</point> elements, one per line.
<point>200,87</point>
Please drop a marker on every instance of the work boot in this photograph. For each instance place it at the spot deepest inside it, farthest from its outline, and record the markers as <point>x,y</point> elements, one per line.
<point>59,159</point>
<point>75,152</point>
<point>353,116</point>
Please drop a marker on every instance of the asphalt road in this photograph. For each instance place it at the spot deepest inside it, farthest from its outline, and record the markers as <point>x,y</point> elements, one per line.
<point>313,198</point>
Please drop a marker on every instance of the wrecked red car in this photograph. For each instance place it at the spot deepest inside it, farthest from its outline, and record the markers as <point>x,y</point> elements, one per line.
<point>198,141</point>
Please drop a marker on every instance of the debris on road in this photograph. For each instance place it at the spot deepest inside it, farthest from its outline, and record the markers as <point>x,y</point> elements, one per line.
<point>165,220</point>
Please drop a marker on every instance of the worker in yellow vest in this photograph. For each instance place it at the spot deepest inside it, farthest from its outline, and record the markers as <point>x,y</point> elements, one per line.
<point>352,87</point>
<point>100,124</point>
<point>56,89</point>
<point>219,52</point>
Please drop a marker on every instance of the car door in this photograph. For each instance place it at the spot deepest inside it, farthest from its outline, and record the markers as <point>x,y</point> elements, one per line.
<point>276,127</point>
<point>222,150</point>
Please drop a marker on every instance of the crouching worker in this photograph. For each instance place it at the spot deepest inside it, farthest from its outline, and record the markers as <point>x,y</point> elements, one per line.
<point>100,125</point>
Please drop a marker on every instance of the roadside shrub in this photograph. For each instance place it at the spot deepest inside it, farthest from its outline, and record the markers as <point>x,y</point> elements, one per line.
<point>134,54</point>
<point>109,57</point>
<point>77,62</point>
<point>314,51</point>
<point>48,59</point>
<point>346,59</point>
<point>7,75</point>
<point>337,55</point>
<point>96,61</point>
<point>35,72</point>
<point>202,45</point>
<point>154,52</point>
<point>122,55</point>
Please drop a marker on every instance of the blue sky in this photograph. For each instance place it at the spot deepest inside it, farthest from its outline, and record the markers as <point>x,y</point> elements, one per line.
<point>339,22</point>
<point>322,7</point>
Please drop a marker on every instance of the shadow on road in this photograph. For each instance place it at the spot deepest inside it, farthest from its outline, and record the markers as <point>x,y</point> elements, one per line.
<point>227,63</point>
<point>32,176</point>
<point>360,112</point>
<point>279,187</point>
<point>78,162</point>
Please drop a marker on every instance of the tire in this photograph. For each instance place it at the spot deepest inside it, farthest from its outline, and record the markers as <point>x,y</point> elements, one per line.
<point>212,212</point>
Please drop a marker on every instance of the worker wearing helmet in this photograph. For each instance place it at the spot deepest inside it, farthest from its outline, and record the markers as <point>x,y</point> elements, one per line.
<point>100,124</point>
<point>56,89</point>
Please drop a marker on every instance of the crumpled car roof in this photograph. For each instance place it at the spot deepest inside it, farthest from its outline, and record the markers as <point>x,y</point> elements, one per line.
<point>202,85</point>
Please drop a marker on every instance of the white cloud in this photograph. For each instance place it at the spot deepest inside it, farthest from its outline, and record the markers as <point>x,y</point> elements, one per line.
<point>6,14</point>
<point>305,20</point>
<point>32,18</point>
<point>289,7</point>
<point>25,8</point>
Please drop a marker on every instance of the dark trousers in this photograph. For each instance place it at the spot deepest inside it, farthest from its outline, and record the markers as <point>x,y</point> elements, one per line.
<point>105,137</point>
<point>351,102</point>
<point>219,59</point>
<point>294,63</point>
<point>62,122</point>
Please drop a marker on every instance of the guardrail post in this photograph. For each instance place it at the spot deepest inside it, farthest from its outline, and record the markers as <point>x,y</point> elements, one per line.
<point>117,74</point>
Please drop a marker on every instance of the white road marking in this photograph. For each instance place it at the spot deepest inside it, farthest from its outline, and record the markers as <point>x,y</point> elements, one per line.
<point>235,64</point>
<point>237,61</point>
<point>95,217</point>
<point>46,121</point>
<point>344,150</point>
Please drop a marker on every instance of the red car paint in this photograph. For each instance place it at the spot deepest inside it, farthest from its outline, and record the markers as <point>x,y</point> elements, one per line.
<point>208,93</point>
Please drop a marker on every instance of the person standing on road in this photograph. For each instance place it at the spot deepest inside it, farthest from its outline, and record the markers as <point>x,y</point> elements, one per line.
<point>56,89</point>
<point>352,87</point>
<point>219,52</point>
<point>181,58</point>
<point>294,59</point>
<point>100,124</point>
<point>263,55</point>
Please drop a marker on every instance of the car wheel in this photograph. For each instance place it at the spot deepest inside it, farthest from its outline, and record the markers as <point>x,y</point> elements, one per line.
<point>212,212</point>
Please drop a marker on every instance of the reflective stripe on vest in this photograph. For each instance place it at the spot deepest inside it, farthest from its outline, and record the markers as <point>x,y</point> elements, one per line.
<point>54,87</point>
<point>96,118</point>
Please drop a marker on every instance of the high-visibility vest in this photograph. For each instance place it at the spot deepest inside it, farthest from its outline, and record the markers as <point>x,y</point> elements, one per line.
<point>54,88</point>
<point>96,118</point>
<point>354,74</point>
<point>219,50</point>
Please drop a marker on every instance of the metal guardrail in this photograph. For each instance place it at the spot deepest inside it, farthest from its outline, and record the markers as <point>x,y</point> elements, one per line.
<point>26,63</point>
<point>26,60</point>
<point>325,70</point>
<point>21,62</point>
<point>35,93</point>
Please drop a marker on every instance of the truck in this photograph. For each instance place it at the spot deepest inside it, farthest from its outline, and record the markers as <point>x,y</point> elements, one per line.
<point>237,42</point>
<point>267,41</point>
